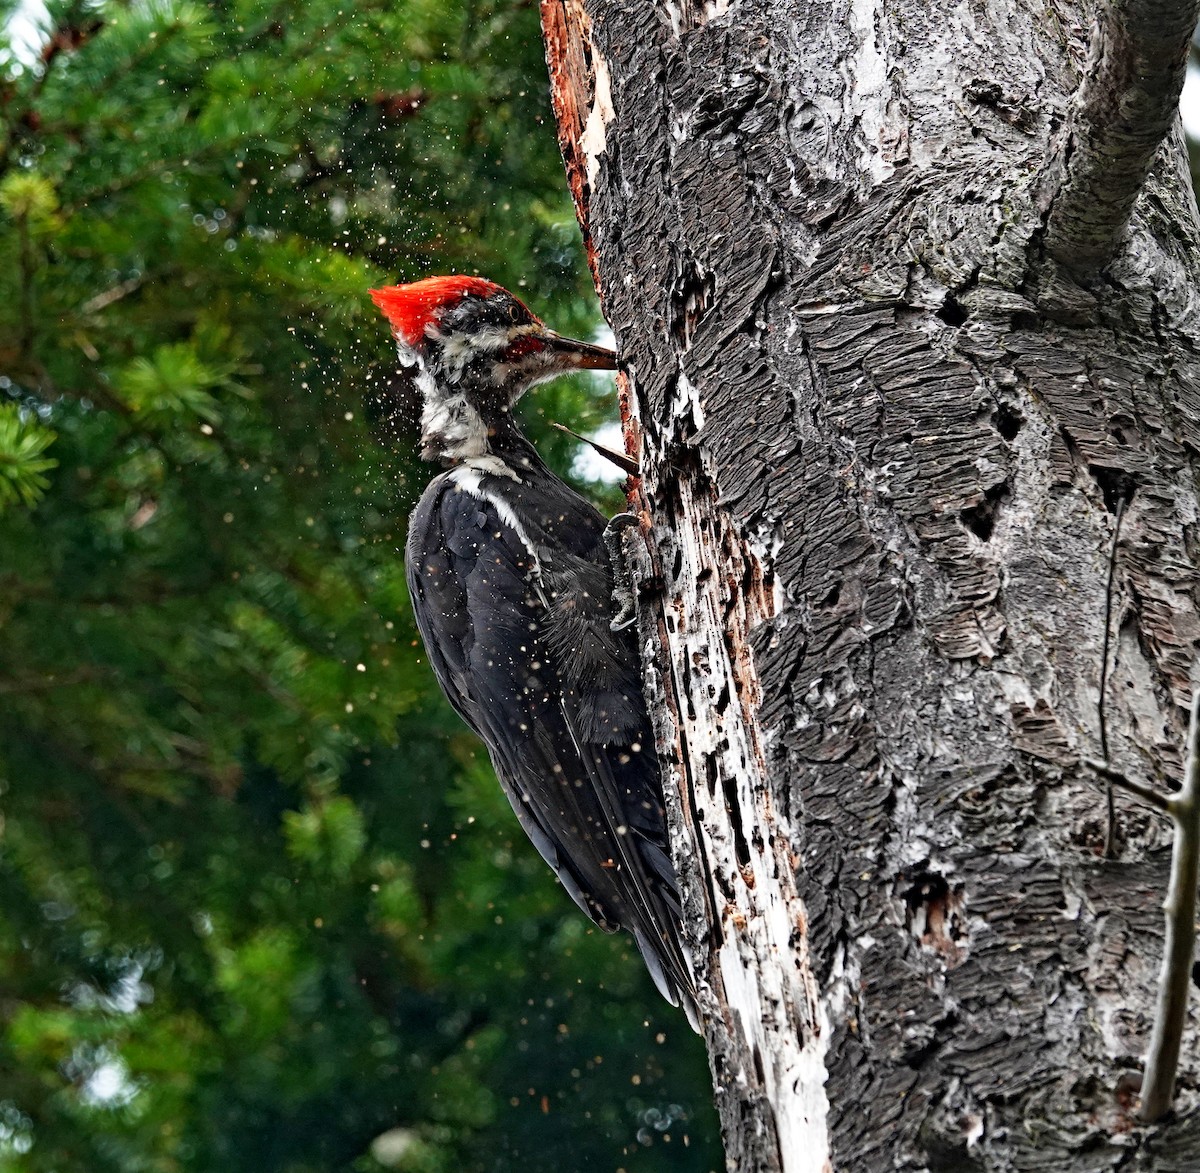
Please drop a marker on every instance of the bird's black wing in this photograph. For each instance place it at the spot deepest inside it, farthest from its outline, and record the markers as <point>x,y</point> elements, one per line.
<point>516,628</point>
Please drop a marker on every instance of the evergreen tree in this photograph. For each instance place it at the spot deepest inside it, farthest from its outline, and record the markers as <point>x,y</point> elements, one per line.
<point>263,905</point>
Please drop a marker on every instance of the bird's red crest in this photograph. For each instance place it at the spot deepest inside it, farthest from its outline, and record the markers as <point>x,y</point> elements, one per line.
<point>409,308</point>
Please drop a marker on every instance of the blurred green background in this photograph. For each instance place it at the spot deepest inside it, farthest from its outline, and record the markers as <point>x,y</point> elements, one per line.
<point>262,905</point>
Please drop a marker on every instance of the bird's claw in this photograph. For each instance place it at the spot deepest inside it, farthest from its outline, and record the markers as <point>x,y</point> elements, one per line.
<point>623,594</point>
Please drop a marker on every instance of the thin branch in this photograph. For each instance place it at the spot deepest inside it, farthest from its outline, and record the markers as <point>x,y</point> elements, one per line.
<point>103,300</point>
<point>1123,110</point>
<point>1179,909</point>
<point>1179,944</point>
<point>1110,839</point>
<point>1114,777</point>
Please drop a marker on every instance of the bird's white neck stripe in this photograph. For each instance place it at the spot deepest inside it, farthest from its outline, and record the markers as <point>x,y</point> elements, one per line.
<point>492,466</point>
<point>469,478</point>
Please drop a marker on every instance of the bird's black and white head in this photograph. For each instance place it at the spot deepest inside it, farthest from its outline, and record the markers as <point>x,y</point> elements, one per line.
<point>474,349</point>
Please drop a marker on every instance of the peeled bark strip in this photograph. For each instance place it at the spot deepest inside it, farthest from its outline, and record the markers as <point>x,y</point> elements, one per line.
<point>882,462</point>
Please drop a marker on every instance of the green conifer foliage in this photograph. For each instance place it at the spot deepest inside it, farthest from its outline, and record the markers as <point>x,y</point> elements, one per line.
<point>262,905</point>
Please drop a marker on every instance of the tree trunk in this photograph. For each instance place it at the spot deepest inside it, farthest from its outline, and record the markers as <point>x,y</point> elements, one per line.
<point>904,297</point>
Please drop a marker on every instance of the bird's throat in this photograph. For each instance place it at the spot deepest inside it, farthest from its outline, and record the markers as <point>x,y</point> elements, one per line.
<point>456,431</point>
<point>452,431</point>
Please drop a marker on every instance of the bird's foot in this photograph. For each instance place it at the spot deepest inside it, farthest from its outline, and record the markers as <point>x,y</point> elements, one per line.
<point>624,592</point>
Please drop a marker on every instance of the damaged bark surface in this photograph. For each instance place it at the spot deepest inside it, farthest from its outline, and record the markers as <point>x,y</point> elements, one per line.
<point>885,442</point>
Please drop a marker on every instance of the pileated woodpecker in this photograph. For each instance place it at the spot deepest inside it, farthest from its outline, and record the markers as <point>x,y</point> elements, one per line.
<point>512,588</point>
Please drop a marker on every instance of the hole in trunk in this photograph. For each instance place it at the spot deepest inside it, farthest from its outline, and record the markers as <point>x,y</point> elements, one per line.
<point>933,913</point>
<point>1007,421</point>
<point>951,312</point>
<point>1115,484</point>
<point>981,519</point>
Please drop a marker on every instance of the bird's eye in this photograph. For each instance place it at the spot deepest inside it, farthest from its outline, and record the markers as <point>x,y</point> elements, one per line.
<point>514,313</point>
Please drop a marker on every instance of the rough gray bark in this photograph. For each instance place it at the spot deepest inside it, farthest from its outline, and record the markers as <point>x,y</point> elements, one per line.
<point>886,423</point>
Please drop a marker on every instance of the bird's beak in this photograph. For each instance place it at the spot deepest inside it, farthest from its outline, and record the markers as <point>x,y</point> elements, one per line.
<point>570,354</point>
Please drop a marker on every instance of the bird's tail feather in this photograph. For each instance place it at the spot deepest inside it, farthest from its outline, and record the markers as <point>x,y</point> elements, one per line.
<point>678,988</point>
